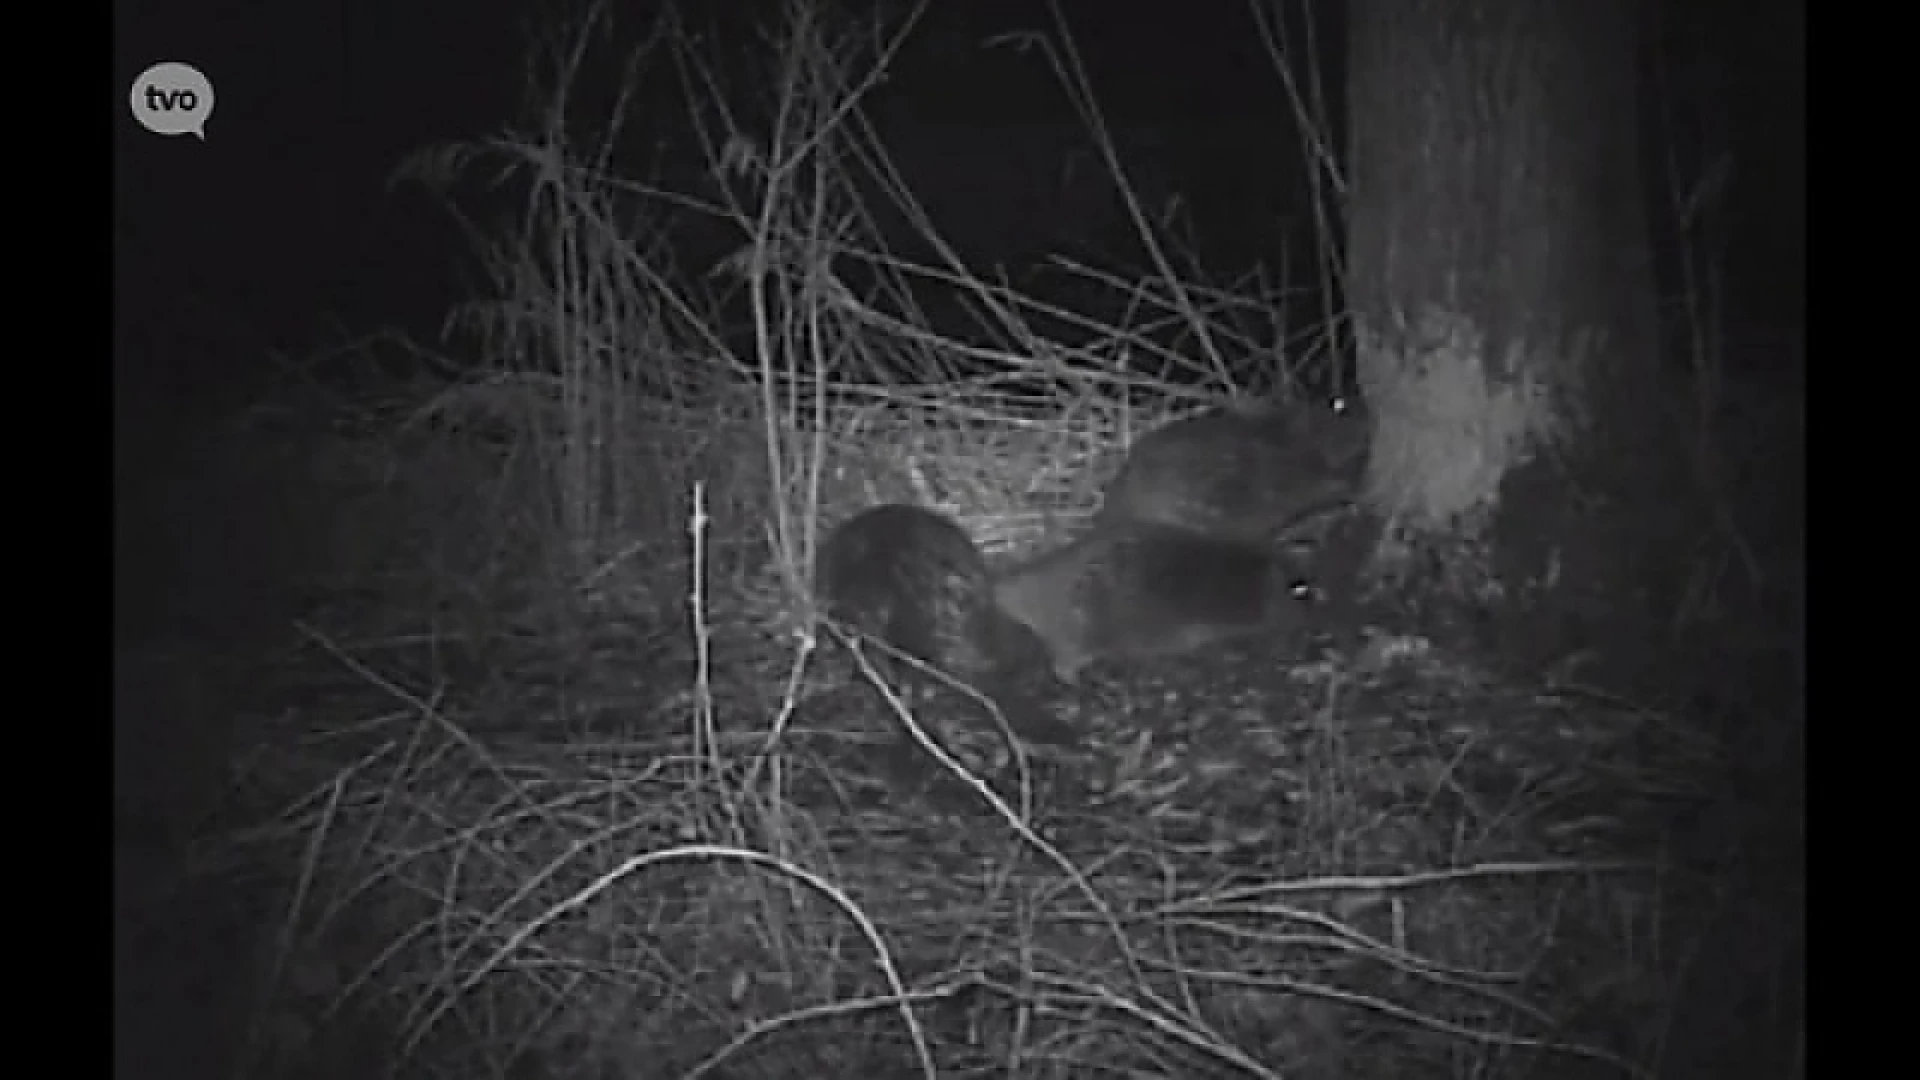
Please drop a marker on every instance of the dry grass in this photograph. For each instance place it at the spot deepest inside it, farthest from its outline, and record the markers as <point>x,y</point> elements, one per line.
<point>1369,863</point>
<point>559,782</point>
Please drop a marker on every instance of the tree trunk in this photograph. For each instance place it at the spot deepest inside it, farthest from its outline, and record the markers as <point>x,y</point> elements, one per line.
<point>1498,258</point>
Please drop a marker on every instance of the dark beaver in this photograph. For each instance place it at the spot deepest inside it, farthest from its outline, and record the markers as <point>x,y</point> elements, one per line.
<point>913,579</point>
<point>1237,476</point>
<point>1141,589</point>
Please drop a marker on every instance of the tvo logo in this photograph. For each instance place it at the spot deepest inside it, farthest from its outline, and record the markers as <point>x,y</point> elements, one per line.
<point>172,99</point>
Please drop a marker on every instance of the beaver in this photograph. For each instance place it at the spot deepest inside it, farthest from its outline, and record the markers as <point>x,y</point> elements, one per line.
<point>1141,589</point>
<point>1238,475</point>
<point>913,579</point>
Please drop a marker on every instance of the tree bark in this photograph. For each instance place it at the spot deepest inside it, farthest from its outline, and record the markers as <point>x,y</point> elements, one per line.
<point>1499,267</point>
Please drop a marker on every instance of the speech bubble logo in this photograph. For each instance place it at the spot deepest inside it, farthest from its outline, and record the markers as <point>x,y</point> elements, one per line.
<point>172,99</point>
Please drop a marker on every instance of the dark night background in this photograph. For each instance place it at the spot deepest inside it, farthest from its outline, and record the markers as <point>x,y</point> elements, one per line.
<point>284,216</point>
<point>281,231</point>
